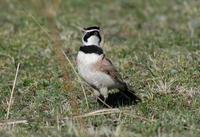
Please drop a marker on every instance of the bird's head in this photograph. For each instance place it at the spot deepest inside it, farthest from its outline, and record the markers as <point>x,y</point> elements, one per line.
<point>91,36</point>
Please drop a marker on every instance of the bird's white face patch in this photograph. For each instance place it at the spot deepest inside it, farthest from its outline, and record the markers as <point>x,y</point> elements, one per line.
<point>92,40</point>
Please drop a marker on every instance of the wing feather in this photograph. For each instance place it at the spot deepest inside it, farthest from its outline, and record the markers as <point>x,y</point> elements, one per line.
<point>106,66</point>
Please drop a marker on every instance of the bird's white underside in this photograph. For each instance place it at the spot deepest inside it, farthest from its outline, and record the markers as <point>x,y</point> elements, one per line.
<point>96,78</point>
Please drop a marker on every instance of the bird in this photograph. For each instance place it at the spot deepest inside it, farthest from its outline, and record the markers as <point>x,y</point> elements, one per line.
<point>98,71</point>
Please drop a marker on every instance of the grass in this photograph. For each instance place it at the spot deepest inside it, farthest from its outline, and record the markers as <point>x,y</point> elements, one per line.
<point>154,44</point>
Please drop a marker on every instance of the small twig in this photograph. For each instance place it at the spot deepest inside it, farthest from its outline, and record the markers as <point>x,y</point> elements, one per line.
<point>111,111</point>
<point>13,122</point>
<point>99,112</point>
<point>104,102</point>
<point>42,28</point>
<point>13,88</point>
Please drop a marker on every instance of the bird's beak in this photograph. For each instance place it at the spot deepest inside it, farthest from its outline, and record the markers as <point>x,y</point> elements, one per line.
<point>83,30</point>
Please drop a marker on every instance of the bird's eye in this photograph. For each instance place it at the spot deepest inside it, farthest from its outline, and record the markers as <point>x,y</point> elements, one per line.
<point>95,33</point>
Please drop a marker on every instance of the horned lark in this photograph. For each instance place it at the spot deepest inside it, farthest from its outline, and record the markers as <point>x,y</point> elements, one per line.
<point>97,70</point>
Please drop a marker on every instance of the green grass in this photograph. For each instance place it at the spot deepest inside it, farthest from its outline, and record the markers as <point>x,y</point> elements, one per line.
<point>155,45</point>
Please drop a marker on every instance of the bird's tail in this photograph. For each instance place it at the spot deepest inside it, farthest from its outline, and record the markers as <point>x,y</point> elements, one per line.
<point>130,95</point>
<point>126,96</point>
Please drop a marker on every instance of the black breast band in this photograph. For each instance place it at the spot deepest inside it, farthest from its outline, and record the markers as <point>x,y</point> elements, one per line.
<point>91,49</point>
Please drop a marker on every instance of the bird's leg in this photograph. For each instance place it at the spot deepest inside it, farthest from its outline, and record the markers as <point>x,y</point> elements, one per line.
<point>104,92</point>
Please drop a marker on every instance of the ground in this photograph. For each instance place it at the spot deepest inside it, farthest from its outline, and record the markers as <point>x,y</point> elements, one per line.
<point>155,45</point>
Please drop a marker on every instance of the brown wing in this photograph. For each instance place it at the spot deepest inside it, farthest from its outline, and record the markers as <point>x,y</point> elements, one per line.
<point>106,66</point>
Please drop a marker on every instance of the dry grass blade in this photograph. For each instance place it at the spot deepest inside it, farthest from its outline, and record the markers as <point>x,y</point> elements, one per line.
<point>99,112</point>
<point>104,102</point>
<point>112,111</point>
<point>42,28</point>
<point>13,122</point>
<point>12,92</point>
